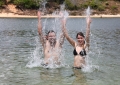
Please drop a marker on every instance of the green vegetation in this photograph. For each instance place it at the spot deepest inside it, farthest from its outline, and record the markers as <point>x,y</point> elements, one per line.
<point>94,4</point>
<point>28,4</point>
<point>98,5</point>
<point>113,7</point>
<point>57,1</point>
<point>1,3</point>
<point>34,4</point>
<point>69,4</point>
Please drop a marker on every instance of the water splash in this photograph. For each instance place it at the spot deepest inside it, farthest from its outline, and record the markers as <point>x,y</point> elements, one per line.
<point>37,57</point>
<point>88,12</point>
<point>90,66</point>
<point>42,7</point>
<point>62,7</point>
<point>63,13</point>
<point>57,21</point>
<point>44,30</point>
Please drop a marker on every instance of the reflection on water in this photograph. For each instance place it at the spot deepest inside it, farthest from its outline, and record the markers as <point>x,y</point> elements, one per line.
<point>18,43</point>
<point>79,78</point>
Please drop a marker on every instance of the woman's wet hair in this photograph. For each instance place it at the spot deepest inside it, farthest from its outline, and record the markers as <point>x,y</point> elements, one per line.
<point>81,34</point>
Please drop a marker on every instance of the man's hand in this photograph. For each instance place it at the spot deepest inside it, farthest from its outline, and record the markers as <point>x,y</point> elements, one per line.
<point>39,14</point>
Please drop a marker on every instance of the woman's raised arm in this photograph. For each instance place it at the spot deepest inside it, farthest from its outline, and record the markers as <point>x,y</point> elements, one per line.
<point>71,41</point>
<point>87,37</point>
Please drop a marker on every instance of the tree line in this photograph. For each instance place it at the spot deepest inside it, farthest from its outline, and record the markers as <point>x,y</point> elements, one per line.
<point>27,3</point>
<point>34,4</point>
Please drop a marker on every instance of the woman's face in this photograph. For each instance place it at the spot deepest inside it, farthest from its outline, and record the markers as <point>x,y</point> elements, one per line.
<point>80,40</point>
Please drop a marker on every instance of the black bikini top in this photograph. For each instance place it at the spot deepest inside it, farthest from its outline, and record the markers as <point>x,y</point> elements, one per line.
<point>81,53</point>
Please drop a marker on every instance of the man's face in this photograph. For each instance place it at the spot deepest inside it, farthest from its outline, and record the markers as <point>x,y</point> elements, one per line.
<point>52,37</point>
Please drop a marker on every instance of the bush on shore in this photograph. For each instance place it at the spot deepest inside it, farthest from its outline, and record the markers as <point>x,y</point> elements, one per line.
<point>1,3</point>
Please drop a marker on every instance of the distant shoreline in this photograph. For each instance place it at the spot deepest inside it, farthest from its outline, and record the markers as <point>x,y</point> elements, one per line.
<point>12,15</point>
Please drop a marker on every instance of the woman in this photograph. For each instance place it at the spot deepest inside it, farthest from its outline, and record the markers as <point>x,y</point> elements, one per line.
<point>80,45</point>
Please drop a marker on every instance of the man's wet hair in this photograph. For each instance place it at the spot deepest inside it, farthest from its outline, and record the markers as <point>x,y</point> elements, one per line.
<point>50,31</point>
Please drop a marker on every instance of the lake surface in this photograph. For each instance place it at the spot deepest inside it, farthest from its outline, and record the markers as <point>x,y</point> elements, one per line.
<point>19,45</point>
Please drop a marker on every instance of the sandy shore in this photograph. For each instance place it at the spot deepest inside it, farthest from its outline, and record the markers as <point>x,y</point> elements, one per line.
<point>12,15</point>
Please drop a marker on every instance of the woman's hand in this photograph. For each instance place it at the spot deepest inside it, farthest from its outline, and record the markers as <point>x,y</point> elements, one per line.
<point>88,21</point>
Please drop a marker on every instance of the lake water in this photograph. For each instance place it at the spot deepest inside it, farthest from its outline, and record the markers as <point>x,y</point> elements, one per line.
<point>19,42</point>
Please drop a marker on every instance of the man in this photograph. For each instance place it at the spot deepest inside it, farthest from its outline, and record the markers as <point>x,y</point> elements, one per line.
<point>51,46</point>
